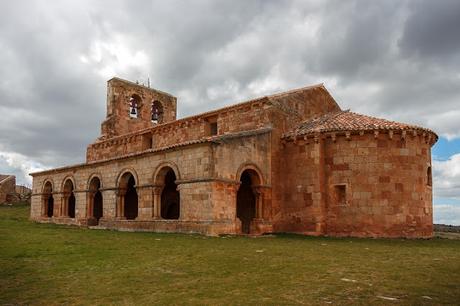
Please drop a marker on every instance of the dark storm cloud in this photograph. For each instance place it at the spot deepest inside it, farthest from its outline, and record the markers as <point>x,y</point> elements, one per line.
<point>432,29</point>
<point>395,59</point>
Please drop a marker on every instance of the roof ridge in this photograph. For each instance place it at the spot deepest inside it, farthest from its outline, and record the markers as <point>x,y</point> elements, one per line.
<point>291,91</point>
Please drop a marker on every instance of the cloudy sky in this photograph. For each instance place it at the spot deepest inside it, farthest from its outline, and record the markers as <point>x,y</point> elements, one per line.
<point>394,59</point>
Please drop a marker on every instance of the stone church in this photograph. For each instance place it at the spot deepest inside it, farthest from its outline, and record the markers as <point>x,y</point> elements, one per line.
<point>290,162</point>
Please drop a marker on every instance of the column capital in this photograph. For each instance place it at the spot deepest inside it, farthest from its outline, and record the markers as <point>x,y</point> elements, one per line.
<point>120,191</point>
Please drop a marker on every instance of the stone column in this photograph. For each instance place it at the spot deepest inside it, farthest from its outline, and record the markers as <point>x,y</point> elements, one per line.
<point>157,202</point>
<point>109,204</point>
<point>44,205</point>
<point>145,201</point>
<point>259,194</point>
<point>64,205</point>
<point>89,203</point>
<point>120,215</point>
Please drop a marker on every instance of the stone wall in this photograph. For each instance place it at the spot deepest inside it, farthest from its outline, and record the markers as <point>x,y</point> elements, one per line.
<point>293,107</point>
<point>205,187</point>
<point>385,179</point>
<point>119,121</point>
<point>363,185</point>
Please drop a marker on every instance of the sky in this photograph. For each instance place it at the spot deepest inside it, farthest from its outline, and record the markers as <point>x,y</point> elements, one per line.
<point>399,60</point>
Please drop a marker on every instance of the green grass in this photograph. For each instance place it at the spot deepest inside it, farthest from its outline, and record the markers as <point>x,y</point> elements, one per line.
<point>49,264</point>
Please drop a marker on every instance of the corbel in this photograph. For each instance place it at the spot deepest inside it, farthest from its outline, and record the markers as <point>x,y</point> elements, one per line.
<point>403,135</point>
<point>348,135</point>
<point>376,134</point>
<point>333,136</point>
<point>390,134</point>
<point>317,137</point>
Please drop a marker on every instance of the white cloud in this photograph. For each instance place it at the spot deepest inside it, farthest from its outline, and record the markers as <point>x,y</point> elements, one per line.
<point>446,214</point>
<point>446,177</point>
<point>21,166</point>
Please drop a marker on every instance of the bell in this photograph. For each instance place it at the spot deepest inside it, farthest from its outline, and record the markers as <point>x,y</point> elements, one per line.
<point>132,105</point>
<point>155,116</point>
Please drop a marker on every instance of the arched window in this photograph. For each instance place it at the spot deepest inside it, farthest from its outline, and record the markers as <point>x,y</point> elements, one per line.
<point>157,112</point>
<point>429,179</point>
<point>134,105</point>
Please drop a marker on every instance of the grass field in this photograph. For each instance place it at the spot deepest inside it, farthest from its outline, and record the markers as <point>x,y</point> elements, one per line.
<point>50,264</point>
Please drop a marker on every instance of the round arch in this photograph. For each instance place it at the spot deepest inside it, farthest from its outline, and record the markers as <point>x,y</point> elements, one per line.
<point>162,169</point>
<point>165,176</point>
<point>47,182</point>
<point>68,188</point>
<point>123,174</point>
<point>250,177</point>
<point>128,201</point>
<point>94,208</point>
<point>67,179</point>
<point>135,104</point>
<point>47,199</point>
<point>90,179</point>
<point>254,171</point>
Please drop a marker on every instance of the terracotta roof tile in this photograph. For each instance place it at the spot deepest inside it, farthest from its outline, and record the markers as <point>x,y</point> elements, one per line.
<point>348,121</point>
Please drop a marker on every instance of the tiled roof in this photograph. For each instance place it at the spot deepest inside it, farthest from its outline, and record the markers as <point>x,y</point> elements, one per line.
<point>348,121</point>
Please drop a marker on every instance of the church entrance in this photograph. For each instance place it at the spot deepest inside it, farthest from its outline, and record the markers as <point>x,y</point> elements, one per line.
<point>170,197</point>
<point>246,201</point>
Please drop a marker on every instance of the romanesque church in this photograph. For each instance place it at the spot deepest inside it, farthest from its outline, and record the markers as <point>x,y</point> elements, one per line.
<point>292,162</point>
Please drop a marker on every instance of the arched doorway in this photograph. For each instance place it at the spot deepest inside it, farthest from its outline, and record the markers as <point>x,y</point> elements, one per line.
<point>48,200</point>
<point>95,210</point>
<point>170,197</point>
<point>246,199</point>
<point>129,198</point>
<point>69,198</point>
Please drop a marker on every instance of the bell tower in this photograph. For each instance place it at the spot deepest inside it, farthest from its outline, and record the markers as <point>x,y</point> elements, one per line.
<point>132,107</point>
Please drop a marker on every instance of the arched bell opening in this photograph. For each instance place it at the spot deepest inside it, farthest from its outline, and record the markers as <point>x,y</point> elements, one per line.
<point>134,106</point>
<point>47,200</point>
<point>128,197</point>
<point>69,198</point>
<point>157,112</point>
<point>246,199</point>
<point>170,196</point>
<point>95,208</point>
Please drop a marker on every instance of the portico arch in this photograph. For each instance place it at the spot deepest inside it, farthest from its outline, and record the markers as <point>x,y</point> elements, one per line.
<point>47,200</point>
<point>168,200</point>
<point>127,195</point>
<point>94,199</point>
<point>69,197</point>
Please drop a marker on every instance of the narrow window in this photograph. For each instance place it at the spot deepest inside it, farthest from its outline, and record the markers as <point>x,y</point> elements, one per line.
<point>341,194</point>
<point>213,127</point>
<point>429,179</point>
<point>147,141</point>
